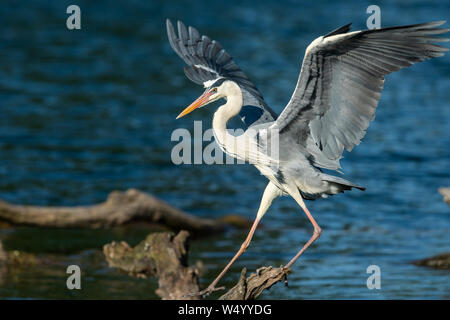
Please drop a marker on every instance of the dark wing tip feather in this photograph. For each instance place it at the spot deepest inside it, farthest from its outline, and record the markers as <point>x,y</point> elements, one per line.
<point>340,30</point>
<point>182,32</point>
<point>173,40</point>
<point>427,26</point>
<point>193,33</point>
<point>170,32</point>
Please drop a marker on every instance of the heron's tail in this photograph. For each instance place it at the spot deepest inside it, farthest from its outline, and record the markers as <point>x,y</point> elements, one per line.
<point>338,184</point>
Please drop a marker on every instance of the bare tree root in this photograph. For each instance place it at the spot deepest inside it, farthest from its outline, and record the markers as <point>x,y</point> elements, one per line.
<point>119,208</point>
<point>17,258</point>
<point>251,287</point>
<point>440,261</point>
<point>164,256</point>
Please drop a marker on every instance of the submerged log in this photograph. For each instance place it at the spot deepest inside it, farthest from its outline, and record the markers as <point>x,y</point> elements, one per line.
<point>164,256</point>
<point>3,254</point>
<point>445,192</point>
<point>17,258</point>
<point>251,287</point>
<point>119,208</point>
<point>440,261</point>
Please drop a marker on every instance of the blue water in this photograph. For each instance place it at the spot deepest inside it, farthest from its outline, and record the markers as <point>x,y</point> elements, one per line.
<point>86,112</point>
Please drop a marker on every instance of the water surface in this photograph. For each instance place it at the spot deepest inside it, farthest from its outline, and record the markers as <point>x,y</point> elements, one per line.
<point>86,112</point>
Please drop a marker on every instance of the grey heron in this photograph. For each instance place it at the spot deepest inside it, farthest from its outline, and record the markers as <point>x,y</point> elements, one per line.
<point>334,101</point>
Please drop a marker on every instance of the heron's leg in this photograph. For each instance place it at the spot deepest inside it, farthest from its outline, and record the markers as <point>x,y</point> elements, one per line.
<point>270,193</point>
<point>317,230</point>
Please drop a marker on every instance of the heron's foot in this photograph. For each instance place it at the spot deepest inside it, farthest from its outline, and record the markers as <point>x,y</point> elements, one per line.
<point>205,292</point>
<point>285,272</point>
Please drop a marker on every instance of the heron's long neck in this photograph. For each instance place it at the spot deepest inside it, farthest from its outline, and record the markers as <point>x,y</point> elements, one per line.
<point>223,114</point>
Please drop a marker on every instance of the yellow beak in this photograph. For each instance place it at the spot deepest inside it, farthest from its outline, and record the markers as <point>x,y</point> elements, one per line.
<point>204,98</point>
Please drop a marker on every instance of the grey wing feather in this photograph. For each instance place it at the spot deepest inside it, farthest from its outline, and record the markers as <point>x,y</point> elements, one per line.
<point>341,80</point>
<point>207,60</point>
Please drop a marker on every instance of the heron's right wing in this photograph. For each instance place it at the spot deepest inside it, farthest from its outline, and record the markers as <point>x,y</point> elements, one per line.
<point>341,80</point>
<point>208,62</point>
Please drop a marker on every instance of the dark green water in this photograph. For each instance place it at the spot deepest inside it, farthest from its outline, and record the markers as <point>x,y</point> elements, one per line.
<point>86,112</point>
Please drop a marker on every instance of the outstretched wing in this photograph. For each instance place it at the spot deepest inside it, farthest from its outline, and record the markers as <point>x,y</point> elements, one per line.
<point>208,62</point>
<point>341,80</point>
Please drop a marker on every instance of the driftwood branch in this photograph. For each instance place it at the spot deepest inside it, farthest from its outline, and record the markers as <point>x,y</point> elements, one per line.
<point>3,254</point>
<point>251,287</point>
<point>16,259</point>
<point>120,208</point>
<point>164,256</point>
<point>440,261</point>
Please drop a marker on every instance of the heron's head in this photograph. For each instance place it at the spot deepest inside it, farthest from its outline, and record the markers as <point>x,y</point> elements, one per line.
<point>215,90</point>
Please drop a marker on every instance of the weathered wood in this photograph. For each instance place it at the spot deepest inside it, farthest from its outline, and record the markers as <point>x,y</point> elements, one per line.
<point>17,258</point>
<point>162,255</point>
<point>445,192</point>
<point>3,254</point>
<point>440,261</point>
<point>251,287</point>
<point>120,208</point>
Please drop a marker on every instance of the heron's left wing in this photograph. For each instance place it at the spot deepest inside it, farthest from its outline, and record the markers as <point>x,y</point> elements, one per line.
<point>208,62</point>
<point>341,80</point>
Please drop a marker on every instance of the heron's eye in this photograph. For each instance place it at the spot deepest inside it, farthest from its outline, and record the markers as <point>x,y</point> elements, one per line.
<point>214,90</point>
